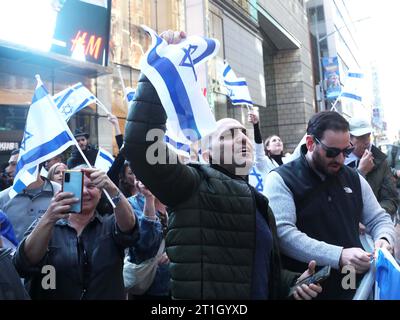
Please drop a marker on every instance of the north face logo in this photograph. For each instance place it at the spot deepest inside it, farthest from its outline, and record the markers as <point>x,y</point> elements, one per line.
<point>348,190</point>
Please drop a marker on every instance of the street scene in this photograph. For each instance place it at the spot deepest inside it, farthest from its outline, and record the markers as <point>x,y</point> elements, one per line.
<point>192,150</point>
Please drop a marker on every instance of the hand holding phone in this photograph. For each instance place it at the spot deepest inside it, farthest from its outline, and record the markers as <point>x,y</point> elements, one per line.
<point>316,278</point>
<point>73,182</point>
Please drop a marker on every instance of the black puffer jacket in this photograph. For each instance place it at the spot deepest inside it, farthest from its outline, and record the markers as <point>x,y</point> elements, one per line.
<point>211,238</point>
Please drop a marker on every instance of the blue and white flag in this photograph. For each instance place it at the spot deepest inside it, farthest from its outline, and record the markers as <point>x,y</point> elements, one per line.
<point>256,179</point>
<point>129,94</point>
<point>46,135</point>
<point>387,276</point>
<point>353,86</point>
<point>237,88</point>
<point>104,160</point>
<point>172,71</point>
<point>73,99</point>
<point>178,147</point>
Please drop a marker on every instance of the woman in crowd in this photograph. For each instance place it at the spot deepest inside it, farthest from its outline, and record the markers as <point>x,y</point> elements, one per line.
<point>269,155</point>
<point>152,219</point>
<point>85,249</point>
<point>127,181</point>
<point>56,172</point>
<point>274,150</point>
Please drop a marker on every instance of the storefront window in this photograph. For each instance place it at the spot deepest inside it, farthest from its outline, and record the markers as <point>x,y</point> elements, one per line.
<point>128,40</point>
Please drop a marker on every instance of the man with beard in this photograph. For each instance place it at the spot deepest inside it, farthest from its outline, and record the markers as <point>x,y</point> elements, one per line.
<point>318,203</point>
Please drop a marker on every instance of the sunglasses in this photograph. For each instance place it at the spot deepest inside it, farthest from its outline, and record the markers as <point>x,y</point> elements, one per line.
<point>334,152</point>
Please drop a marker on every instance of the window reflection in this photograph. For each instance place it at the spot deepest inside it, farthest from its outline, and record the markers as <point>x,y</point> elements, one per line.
<point>128,41</point>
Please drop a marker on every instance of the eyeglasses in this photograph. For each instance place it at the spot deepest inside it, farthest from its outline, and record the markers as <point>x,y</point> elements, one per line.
<point>334,152</point>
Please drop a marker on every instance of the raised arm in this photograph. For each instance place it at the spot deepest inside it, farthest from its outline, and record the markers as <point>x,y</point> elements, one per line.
<point>150,159</point>
<point>35,246</point>
<point>124,216</point>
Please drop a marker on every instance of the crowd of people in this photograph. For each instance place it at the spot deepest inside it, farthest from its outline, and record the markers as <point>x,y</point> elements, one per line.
<point>201,227</point>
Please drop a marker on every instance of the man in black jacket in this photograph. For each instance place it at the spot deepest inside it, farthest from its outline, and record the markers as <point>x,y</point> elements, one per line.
<point>89,151</point>
<point>222,240</point>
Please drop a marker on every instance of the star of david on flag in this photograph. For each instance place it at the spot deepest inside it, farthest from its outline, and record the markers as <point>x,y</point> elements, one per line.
<point>256,180</point>
<point>172,71</point>
<point>46,135</point>
<point>73,99</point>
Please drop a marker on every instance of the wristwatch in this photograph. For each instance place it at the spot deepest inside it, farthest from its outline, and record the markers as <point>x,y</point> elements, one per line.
<point>117,198</point>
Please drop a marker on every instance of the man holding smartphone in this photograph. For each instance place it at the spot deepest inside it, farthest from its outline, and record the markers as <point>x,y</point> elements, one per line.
<point>318,204</point>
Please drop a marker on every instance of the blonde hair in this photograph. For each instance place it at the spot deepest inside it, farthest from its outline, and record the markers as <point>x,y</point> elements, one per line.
<point>53,169</point>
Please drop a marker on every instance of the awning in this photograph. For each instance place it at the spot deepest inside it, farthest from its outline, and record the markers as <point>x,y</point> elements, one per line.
<point>279,36</point>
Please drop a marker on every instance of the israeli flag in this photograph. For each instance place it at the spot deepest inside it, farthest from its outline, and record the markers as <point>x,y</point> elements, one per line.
<point>387,276</point>
<point>104,160</point>
<point>353,86</point>
<point>73,99</point>
<point>46,135</point>
<point>178,147</point>
<point>171,69</point>
<point>129,94</point>
<point>7,232</point>
<point>237,88</point>
<point>256,180</point>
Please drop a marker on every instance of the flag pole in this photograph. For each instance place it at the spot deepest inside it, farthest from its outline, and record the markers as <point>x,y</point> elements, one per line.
<point>122,81</point>
<point>333,108</point>
<point>100,104</point>
<point>68,130</point>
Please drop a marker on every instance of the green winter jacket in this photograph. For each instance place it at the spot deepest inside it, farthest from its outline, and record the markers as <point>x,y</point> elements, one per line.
<point>212,214</point>
<point>381,181</point>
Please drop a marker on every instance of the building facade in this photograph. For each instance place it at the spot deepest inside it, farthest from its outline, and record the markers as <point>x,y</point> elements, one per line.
<point>264,41</point>
<point>334,36</point>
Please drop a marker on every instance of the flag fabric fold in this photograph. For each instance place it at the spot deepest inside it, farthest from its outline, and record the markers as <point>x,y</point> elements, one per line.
<point>104,160</point>
<point>238,91</point>
<point>387,276</point>
<point>46,135</point>
<point>353,87</point>
<point>73,99</point>
<point>172,71</point>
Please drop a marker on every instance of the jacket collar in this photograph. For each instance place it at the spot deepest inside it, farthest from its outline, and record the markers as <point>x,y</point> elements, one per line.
<point>229,174</point>
<point>65,222</point>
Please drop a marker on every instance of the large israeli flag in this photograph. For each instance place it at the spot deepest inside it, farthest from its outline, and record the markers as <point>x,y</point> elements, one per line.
<point>237,88</point>
<point>104,160</point>
<point>73,99</point>
<point>353,86</point>
<point>387,276</point>
<point>46,135</point>
<point>172,71</point>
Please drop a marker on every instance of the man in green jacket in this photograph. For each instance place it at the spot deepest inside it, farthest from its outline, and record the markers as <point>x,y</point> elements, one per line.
<point>372,164</point>
<point>222,241</point>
